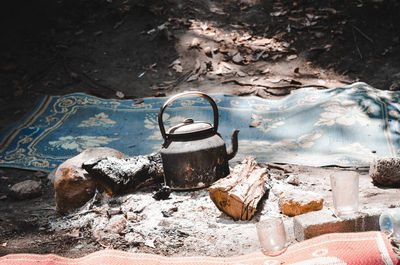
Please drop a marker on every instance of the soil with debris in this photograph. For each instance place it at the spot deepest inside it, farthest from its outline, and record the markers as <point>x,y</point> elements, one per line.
<point>136,49</point>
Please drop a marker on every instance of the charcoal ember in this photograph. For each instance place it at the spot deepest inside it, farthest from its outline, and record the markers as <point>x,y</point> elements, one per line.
<point>125,175</point>
<point>163,193</point>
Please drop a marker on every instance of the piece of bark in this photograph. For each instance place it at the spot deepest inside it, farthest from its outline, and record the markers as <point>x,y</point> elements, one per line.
<point>124,175</point>
<point>239,193</point>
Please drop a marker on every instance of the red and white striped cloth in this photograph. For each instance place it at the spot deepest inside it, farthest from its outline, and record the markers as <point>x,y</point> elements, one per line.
<point>340,248</point>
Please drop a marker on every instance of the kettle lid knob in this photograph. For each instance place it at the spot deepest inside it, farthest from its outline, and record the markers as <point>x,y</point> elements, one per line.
<point>188,121</point>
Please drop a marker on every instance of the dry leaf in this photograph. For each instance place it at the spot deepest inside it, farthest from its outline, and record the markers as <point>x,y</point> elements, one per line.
<point>276,80</point>
<point>240,74</point>
<point>159,94</point>
<point>223,49</point>
<point>195,43</point>
<point>177,61</point>
<point>260,42</point>
<point>79,32</point>
<point>328,47</point>
<point>208,51</point>
<point>119,23</point>
<point>255,124</point>
<point>276,56</point>
<point>193,78</point>
<point>120,94</point>
<point>10,67</point>
<point>295,82</point>
<point>278,13</point>
<point>238,58</point>
<point>138,101</point>
<point>178,68</point>
<point>266,71</point>
<point>291,57</point>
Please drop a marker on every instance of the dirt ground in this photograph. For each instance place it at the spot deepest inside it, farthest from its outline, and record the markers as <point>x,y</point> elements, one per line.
<point>136,49</point>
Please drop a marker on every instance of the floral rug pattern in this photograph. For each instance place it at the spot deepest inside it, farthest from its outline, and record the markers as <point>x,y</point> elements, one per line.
<point>345,126</point>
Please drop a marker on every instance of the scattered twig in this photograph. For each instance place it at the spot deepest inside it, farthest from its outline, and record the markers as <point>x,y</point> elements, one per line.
<point>275,166</point>
<point>87,79</point>
<point>333,212</point>
<point>364,35</point>
<point>42,72</point>
<point>355,42</point>
<point>238,82</point>
<point>395,246</point>
<point>103,245</point>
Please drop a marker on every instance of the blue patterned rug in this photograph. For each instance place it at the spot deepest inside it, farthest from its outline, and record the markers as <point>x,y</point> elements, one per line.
<point>345,126</point>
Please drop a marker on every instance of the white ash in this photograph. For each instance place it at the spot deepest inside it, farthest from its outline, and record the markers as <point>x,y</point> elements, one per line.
<point>186,224</point>
<point>189,224</point>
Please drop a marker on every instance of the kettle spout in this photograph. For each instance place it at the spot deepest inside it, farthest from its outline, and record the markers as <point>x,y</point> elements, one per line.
<point>232,150</point>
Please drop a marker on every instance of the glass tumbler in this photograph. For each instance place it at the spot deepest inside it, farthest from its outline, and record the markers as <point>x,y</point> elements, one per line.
<point>345,191</point>
<point>272,236</point>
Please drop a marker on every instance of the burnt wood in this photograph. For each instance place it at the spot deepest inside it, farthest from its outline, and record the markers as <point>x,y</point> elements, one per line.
<point>125,175</point>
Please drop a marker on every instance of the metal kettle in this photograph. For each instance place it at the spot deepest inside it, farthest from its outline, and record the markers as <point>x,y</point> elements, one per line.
<point>194,154</point>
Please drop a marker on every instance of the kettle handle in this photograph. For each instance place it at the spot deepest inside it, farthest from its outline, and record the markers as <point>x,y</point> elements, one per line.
<point>187,94</point>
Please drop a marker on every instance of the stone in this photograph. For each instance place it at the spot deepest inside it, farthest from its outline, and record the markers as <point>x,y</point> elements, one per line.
<point>98,227</point>
<point>208,51</point>
<point>395,86</point>
<point>194,44</point>
<point>131,216</point>
<point>294,203</point>
<point>134,238</point>
<point>73,186</point>
<point>27,189</point>
<point>385,171</point>
<point>104,228</point>
<point>313,224</point>
<point>237,58</point>
<point>293,179</point>
<point>114,211</point>
<point>116,224</point>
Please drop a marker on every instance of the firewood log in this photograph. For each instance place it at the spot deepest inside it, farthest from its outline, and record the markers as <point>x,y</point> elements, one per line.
<point>239,193</point>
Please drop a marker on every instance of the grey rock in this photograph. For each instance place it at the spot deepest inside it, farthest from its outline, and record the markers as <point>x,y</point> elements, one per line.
<point>385,171</point>
<point>395,86</point>
<point>134,238</point>
<point>104,228</point>
<point>319,34</point>
<point>293,179</point>
<point>116,224</point>
<point>238,58</point>
<point>26,189</point>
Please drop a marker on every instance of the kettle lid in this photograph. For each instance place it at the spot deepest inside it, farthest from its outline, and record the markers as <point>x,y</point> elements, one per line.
<point>188,126</point>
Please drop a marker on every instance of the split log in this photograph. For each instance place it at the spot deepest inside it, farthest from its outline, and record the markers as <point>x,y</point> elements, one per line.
<point>125,175</point>
<point>239,193</point>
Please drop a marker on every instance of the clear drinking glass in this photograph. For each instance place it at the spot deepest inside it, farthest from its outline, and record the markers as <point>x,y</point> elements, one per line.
<point>344,186</point>
<point>389,221</point>
<point>272,236</point>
